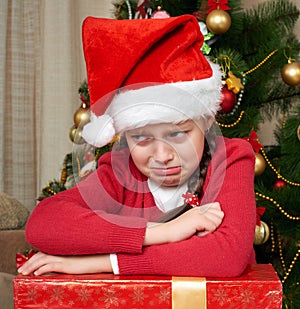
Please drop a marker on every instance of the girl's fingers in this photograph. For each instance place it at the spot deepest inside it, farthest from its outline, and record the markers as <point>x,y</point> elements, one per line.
<point>47,268</point>
<point>35,262</point>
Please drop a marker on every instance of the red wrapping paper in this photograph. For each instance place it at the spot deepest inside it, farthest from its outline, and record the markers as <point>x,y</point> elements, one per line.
<point>258,287</point>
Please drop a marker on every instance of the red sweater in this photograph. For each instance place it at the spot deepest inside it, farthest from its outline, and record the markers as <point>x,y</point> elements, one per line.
<point>109,210</point>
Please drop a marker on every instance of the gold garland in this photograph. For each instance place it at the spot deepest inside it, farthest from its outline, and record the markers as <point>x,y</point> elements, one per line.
<point>295,184</point>
<point>270,199</point>
<point>272,237</point>
<point>50,190</point>
<point>288,271</point>
<point>262,62</point>
<point>231,125</point>
<point>281,255</point>
<point>294,261</point>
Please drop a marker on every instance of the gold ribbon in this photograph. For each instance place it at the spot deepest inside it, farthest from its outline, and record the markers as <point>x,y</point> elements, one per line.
<point>188,292</point>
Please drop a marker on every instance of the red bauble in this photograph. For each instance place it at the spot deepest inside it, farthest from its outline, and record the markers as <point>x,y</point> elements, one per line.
<point>279,184</point>
<point>228,100</point>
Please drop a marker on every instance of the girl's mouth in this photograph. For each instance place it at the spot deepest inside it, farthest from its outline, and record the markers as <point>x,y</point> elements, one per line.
<point>163,171</point>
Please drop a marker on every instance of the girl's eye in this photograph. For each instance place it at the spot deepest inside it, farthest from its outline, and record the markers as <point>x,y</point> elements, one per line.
<point>139,138</point>
<point>177,137</point>
<point>177,134</point>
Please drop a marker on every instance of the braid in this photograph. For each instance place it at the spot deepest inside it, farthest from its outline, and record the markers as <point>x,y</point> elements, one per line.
<point>196,182</point>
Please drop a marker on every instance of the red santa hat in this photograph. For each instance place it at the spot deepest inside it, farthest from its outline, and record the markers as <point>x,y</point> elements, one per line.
<point>146,71</point>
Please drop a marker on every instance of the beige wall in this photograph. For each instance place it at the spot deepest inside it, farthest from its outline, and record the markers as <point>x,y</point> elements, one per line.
<point>63,70</point>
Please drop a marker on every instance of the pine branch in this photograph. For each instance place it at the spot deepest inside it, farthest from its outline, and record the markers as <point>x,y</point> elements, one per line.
<point>269,24</point>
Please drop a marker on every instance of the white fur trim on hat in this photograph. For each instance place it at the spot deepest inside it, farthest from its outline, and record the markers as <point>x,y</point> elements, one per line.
<point>170,102</point>
<point>156,103</point>
<point>99,131</point>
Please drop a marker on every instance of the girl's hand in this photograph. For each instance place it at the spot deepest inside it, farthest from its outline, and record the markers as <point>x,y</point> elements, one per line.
<point>42,263</point>
<point>198,220</point>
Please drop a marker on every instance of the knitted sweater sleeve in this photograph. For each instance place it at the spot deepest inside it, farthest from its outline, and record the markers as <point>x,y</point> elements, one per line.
<point>228,250</point>
<point>85,219</point>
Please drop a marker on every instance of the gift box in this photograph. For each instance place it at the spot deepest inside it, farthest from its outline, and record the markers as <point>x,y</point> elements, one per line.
<point>258,287</point>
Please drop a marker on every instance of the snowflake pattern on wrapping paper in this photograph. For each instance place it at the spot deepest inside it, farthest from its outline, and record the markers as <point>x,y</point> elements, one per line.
<point>246,296</point>
<point>233,297</point>
<point>57,295</point>
<point>45,304</point>
<point>84,295</point>
<point>71,302</point>
<point>33,295</point>
<point>45,287</point>
<point>138,295</point>
<point>220,296</point>
<point>164,295</point>
<point>111,297</point>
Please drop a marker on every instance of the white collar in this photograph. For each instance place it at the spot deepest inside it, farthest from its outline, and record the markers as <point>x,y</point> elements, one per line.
<point>167,198</point>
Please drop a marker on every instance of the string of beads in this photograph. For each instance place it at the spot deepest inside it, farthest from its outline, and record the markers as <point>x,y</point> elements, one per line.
<point>223,125</point>
<point>295,184</point>
<point>270,199</point>
<point>287,271</point>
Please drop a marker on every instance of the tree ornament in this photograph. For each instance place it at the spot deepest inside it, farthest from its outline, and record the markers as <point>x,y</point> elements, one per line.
<point>228,100</point>
<point>298,132</point>
<point>260,164</point>
<point>262,233</point>
<point>279,184</point>
<point>75,135</point>
<point>81,116</point>
<point>160,13</point>
<point>234,83</point>
<point>290,73</point>
<point>217,4</point>
<point>253,140</point>
<point>218,21</point>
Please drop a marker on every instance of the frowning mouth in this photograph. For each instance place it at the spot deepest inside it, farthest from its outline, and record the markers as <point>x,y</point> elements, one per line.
<point>163,171</point>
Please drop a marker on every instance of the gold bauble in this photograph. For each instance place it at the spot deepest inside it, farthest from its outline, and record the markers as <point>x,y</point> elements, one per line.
<point>260,164</point>
<point>218,21</point>
<point>81,116</point>
<point>262,233</point>
<point>290,73</point>
<point>75,135</point>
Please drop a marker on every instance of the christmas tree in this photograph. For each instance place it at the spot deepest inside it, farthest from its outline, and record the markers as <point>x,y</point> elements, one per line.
<point>258,53</point>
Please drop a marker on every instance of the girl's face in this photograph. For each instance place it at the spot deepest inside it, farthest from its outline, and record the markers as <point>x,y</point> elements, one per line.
<point>167,153</point>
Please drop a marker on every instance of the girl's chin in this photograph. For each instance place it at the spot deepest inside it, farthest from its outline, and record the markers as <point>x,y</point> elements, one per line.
<point>167,181</point>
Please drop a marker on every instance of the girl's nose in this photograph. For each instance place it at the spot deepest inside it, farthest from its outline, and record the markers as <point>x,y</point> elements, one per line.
<point>162,151</point>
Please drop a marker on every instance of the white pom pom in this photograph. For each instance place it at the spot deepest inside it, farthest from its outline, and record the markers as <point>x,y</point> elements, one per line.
<point>99,131</point>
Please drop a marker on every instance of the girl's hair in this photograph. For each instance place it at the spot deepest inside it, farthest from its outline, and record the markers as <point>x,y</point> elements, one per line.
<point>195,183</point>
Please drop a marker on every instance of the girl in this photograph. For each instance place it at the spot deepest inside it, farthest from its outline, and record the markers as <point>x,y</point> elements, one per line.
<point>173,198</point>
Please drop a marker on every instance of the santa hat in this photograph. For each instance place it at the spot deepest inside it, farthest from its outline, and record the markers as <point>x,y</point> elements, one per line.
<point>146,71</point>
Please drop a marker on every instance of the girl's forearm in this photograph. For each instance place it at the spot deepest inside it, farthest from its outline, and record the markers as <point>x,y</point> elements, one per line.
<point>155,234</point>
